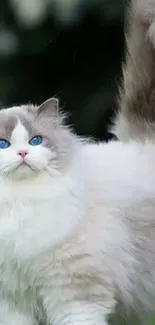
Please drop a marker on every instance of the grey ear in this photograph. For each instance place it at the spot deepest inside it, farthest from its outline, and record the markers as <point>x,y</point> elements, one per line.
<point>50,107</point>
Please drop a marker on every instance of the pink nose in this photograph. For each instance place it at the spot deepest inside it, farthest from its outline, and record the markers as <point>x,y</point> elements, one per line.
<point>23,153</point>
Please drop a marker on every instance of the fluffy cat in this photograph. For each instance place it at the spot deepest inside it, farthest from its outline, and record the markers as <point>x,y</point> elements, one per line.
<point>77,222</point>
<point>77,225</point>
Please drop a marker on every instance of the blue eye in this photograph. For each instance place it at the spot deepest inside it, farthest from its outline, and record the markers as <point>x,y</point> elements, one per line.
<point>4,144</point>
<point>35,141</point>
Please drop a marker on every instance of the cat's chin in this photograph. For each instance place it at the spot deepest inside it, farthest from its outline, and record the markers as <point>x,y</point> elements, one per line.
<point>22,171</point>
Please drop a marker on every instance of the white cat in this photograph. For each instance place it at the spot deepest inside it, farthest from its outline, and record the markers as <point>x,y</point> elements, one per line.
<point>77,222</point>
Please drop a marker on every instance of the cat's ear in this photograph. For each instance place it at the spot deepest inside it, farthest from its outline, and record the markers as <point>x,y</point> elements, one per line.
<point>49,108</point>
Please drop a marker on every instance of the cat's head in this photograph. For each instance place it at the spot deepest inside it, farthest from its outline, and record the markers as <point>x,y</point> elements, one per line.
<point>32,140</point>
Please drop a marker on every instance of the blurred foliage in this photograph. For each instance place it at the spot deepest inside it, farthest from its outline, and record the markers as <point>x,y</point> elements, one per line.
<point>68,48</point>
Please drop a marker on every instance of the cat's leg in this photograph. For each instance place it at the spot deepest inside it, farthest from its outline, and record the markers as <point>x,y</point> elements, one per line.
<point>12,315</point>
<point>78,294</point>
<point>78,313</point>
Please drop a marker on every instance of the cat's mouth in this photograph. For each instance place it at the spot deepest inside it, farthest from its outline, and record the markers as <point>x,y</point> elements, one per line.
<point>24,164</point>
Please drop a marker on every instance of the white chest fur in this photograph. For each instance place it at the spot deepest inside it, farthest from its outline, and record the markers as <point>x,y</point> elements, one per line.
<point>35,216</point>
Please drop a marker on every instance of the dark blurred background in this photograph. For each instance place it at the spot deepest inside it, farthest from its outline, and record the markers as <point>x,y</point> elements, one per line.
<point>71,49</point>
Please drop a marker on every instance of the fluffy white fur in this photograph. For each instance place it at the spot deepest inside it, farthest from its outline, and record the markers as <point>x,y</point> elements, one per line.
<point>73,242</point>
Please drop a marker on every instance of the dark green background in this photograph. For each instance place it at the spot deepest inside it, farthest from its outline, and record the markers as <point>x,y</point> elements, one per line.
<point>79,61</point>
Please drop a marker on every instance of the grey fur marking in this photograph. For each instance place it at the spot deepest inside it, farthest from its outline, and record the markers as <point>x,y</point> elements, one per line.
<point>136,118</point>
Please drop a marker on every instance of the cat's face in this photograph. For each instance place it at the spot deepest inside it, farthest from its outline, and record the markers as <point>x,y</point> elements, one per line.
<point>32,140</point>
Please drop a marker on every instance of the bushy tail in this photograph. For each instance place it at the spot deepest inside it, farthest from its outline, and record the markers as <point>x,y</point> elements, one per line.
<point>136,117</point>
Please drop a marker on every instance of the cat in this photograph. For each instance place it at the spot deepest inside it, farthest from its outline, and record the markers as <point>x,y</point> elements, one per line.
<point>77,226</point>
<point>77,222</point>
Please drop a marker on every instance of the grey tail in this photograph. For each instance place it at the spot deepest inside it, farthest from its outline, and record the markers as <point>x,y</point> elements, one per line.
<point>136,100</point>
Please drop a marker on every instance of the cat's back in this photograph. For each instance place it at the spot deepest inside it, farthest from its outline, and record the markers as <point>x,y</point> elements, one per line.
<point>117,167</point>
